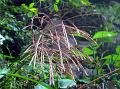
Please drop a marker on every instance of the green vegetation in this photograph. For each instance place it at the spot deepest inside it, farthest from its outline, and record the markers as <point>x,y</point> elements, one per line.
<point>59,44</point>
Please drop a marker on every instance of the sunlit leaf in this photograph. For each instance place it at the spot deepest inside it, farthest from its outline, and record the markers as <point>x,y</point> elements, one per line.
<point>3,72</point>
<point>31,5</point>
<point>88,51</point>
<point>104,34</point>
<point>39,87</point>
<point>33,10</point>
<point>24,6</point>
<point>65,83</point>
<point>56,7</point>
<point>85,2</point>
<point>77,34</point>
<point>57,1</point>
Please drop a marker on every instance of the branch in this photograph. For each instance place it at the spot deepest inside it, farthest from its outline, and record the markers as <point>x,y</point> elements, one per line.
<point>104,75</point>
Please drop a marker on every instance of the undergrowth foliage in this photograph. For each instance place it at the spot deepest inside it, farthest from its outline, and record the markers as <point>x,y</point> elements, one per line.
<point>52,44</point>
<point>58,50</point>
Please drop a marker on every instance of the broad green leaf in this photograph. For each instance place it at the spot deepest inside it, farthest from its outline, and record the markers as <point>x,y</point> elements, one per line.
<point>104,34</point>
<point>65,83</point>
<point>85,2</point>
<point>107,39</point>
<point>31,5</point>
<point>88,51</point>
<point>39,87</point>
<point>56,7</point>
<point>3,72</point>
<point>118,49</point>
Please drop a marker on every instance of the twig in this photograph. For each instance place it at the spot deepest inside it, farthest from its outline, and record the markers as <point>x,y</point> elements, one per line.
<point>104,75</point>
<point>89,14</point>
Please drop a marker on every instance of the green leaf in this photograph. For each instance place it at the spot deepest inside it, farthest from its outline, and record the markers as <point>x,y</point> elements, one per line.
<point>85,2</point>
<point>34,10</point>
<point>112,57</point>
<point>39,87</point>
<point>30,14</point>
<point>24,6</point>
<point>107,39</point>
<point>75,3</point>
<point>117,64</point>
<point>56,8</point>
<point>41,0</point>
<point>65,83</point>
<point>104,34</point>
<point>1,56</point>
<point>88,51</point>
<point>76,52</point>
<point>29,79</point>
<point>77,34</point>
<point>31,5</point>
<point>118,49</point>
<point>5,56</point>
<point>84,80</point>
<point>3,72</point>
<point>57,1</point>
